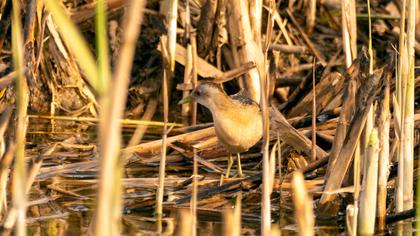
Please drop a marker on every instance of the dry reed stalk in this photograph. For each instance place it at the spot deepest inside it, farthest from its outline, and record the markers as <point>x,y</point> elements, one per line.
<point>367,213</point>
<point>232,218</point>
<point>400,90</point>
<point>5,163</point>
<point>356,182</point>
<point>364,139</point>
<point>194,77</point>
<point>184,220</point>
<point>185,110</point>
<point>338,172</point>
<point>303,206</point>
<point>351,220</point>
<point>205,26</point>
<point>349,30</point>
<point>162,165</point>
<point>383,134</point>
<point>19,197</point>
<point>171,18</point>
<point>409,109</point>
<point>313,153</point>
<point>244,47</point>
<point>255,18</point>
<point>194,195</point>
<point>108,206</point>
<point>310,16</point>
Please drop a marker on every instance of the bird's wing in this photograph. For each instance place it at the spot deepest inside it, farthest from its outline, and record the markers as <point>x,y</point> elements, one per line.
<point>243,98</point>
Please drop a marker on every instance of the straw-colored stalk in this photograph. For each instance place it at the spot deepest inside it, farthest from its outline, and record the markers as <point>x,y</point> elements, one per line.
<point>101,35</point>
<point>313,156</point>
<point>19,174</point>
<point>367,213</point>
<point>383,134</point>
<point>184,220</point>
<point>303,205</point>
<point>109,203</point>
<point>310,16</point>
<point>349,30</point>
<point>409,109</point>
<point>194,195</point>
<point>172,26</point>
<point>194,77</point>
<point>255,15</point>
<point>371,62</point>
<point>365,139</point>
<point>243,46</point>
<point>351,217</point>
<point>400,87</point>
<point>357,173</point>
<point>232,218</point>
<point>162,165</point>
<point>185,112</point>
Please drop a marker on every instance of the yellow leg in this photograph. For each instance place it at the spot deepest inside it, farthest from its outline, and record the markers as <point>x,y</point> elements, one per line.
<point>230,162</point>
<point>238,156</point>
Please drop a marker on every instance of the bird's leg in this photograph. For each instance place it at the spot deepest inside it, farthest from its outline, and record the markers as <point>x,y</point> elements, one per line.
<point>238,156</point>
<point>230,162</point>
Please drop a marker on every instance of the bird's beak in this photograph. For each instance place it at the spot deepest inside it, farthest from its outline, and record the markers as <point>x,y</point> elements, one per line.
<point>185,100</point>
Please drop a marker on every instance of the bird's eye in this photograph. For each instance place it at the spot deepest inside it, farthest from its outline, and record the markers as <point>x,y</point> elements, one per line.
<point>198,93</point>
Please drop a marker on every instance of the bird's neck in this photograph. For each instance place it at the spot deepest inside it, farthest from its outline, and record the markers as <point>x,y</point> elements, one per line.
<point>222,103</point>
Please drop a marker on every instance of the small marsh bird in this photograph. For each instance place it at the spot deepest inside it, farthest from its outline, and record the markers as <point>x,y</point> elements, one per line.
<point>237,119</point>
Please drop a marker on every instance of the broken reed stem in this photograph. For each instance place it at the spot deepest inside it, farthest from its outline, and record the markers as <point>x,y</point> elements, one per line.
<point>349,26</point>
<point>172,15</point>
<point>367,214</point>
<point>303,206</point>
<point>108,212</point>
<point>194,194</point>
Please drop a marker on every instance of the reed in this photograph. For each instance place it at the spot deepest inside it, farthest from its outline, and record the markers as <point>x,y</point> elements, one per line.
<point>20,171</point>
<point>303,206</point>
<point>108,212</point>
<point>368,196</point>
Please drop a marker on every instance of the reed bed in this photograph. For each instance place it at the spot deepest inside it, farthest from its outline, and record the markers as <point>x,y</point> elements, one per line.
<point>93,142</point>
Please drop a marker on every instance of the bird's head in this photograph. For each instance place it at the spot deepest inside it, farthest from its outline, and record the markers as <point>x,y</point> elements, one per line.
<point>207,94</point>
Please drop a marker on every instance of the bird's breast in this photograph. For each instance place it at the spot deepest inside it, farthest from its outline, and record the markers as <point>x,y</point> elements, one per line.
<point>238,130</point>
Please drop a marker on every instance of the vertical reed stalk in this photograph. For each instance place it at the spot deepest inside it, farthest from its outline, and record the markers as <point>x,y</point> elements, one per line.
<point>367,214</point>
<point>108,206</point>
<point>303,206</point>
<point>313,113</point>
<point>186,108</point>
<point>409,109</point>
<point>162,165</point>
<point>194,195</point>
<point>356,182</point>
<point>311,16</point>
<point>19,174</point>
<point>383,127</point>
<point>194,77</point>
<point>349,26</point>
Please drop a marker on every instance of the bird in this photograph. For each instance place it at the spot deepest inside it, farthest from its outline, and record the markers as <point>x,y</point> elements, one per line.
<point>237,119</point>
